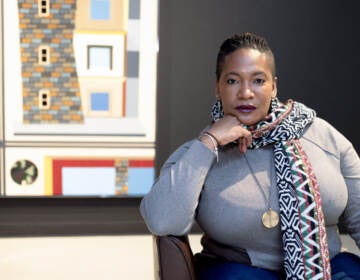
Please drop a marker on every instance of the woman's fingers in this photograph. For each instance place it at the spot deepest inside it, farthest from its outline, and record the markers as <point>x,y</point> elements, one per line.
<point>244,141</point>
<point>229,129</point>
<point>240,144</point>
<point>248,139</point>
<point>243,146</point>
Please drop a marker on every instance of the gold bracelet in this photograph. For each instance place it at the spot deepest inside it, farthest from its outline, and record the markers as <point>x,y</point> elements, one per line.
<point>214,142</point>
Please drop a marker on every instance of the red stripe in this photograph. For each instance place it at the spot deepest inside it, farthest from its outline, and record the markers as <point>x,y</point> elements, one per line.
<point>141,163</point>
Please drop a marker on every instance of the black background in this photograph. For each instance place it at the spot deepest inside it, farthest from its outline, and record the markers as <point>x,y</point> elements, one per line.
<point>316,47</point>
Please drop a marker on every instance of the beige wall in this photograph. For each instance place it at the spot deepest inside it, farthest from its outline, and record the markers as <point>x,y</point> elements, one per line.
<point>116,22</point>
<point>2,174</point>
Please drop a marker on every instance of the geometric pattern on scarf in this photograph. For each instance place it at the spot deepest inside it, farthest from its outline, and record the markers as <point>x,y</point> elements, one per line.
<point>303,232</point>
<point>302,222</point>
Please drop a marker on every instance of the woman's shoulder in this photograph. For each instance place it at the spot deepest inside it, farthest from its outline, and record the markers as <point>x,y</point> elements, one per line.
<point>324,135</point>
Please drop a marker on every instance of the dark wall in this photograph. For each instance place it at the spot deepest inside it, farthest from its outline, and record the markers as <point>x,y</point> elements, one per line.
<point>316,45</point>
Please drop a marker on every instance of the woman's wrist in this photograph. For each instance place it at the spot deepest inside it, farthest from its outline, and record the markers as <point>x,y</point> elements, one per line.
<point>210,141</point>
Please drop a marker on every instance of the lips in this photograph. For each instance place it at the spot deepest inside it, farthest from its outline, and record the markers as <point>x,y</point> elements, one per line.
<point>245,108</point>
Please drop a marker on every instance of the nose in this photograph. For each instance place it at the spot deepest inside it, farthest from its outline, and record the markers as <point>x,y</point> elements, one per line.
<point>245,91</point>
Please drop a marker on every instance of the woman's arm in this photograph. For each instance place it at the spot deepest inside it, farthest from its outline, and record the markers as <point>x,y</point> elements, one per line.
<point>169,207</point>
<point>350,168</point>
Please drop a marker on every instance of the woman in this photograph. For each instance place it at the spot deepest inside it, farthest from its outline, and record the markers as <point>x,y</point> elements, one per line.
<point>267,181</point>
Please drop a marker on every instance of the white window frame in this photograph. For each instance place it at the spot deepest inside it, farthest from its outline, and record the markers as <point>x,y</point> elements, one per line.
<point>46,55</point>
<point>110,48</point>
<point>44,95</point>
<point>46,6</point>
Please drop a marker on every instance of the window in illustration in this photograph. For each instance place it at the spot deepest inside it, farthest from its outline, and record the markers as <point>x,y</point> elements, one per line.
<point>100,58</point>
<point>99,101</point>
<point>44,55</point>
<point>100,9</point>
<point>44,8</point>
<point>44,99</point>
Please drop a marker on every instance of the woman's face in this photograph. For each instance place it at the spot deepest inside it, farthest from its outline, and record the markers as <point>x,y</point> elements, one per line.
<point>246,85</point>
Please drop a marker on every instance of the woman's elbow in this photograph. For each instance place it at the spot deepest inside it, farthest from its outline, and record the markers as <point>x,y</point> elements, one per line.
<point>159,222</point>
<point>162,229</point>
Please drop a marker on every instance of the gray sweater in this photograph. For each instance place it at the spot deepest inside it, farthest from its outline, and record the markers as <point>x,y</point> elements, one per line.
<point>227,203</point>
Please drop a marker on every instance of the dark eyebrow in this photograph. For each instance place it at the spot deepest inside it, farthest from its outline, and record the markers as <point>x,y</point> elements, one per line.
<point>259,73</point>
<point>232,73</point>
<point>253,74</point>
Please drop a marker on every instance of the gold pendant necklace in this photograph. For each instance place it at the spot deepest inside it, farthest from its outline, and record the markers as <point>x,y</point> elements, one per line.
<point>269,218</point>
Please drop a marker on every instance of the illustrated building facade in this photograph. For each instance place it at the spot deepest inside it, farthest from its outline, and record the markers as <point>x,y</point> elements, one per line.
<point>79,97</point>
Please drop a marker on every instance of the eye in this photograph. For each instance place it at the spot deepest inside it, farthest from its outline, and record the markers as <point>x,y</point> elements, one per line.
<point>231,81</point>
<point>259,81</point>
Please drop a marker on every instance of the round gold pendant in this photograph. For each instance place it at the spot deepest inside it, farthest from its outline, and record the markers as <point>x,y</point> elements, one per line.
<point>270,218</point>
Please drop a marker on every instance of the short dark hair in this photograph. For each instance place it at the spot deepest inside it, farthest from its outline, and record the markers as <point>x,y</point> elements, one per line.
<point>240,41</point>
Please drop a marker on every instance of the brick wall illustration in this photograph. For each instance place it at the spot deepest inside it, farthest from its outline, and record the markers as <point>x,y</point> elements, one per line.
<point>58,77</point>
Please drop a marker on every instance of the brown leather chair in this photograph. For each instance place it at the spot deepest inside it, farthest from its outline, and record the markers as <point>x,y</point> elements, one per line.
<point>173,258</point>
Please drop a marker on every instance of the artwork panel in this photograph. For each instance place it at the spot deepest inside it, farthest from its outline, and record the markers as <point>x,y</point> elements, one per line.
<point>47,92</point>
<point>50,161</point>
<point>131,40</point>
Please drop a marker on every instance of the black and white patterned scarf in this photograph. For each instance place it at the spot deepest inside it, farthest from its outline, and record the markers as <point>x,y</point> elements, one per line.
<point>304,239</point>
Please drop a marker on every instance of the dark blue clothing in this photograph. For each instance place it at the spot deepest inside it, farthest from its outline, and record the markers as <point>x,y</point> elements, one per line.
<point>344,266</point>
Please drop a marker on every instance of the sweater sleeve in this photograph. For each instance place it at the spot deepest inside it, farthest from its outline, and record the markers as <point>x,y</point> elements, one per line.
<point>350,167</point>
<point>170,205</point>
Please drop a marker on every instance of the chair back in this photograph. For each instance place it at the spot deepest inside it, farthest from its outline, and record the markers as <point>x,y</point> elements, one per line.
<point>173,258</point>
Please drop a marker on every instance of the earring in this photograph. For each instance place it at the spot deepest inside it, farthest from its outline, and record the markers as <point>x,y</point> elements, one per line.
<point>274,103</point>
<point>217,111</point>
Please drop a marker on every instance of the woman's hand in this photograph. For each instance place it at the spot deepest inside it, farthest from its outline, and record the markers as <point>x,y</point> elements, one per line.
<point>229,129</point>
